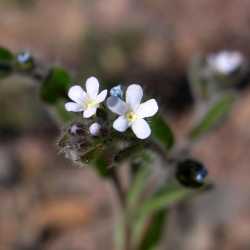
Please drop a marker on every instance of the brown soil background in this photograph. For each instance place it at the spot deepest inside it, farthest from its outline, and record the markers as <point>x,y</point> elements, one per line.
<point>45,202</point>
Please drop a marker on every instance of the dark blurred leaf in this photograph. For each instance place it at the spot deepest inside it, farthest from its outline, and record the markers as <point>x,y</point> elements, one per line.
<point>154,231</point>
<point>5,69</point>
<point>55,85</point>
<point>102,164</point>
<point>5,55</point>
<point>98,158</point>
<point>6,58</point>
<point>129,151</point>
<point>161,132</point>
<point>213,116</point>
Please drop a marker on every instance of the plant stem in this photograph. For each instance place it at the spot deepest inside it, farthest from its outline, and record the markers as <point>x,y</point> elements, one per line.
<point>122,198</point>
<point>118,186</point>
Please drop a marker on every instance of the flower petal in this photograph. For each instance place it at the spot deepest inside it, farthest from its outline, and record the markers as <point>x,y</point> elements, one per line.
<point>116,105</point>
<point>77,94</point>
<point>134,95</point>
<point>92,87</point>
<point>120,124</point>
<point>74,107</point>
<point>147,109</point>
<point>141,129</point>
<point>101,97</point>
<point>89,112</point>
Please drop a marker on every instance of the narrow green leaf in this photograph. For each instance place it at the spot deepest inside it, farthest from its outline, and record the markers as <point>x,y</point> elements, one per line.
<point>161,132</point>
<point>154,231</point>
<point>167,196</point>
<point>162,199</point>
<point>213,116</point>
<point>138,185</point>
<point>55,85</point>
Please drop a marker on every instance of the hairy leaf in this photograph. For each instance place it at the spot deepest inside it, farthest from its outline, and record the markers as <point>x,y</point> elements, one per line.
<point>213,116</point>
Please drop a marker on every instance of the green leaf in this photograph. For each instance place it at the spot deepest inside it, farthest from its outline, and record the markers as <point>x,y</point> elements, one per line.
<point>221,108</point>
<point>102,164</point>
<point>154,231</point>
<point>6,59</point>
<point>167,196</point>
<point>161,132</point>
<point>129,151</point>
<point>162,199</point>
<point>5,55</point>
<point>55,85</point>
<point>138,185</point>
<point>98,157</point>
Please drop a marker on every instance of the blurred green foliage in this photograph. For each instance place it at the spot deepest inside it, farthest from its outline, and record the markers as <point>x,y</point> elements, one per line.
<point>215,113</point>
<point>161,132</point>
<point>6,61</point>
<point>56,85</point>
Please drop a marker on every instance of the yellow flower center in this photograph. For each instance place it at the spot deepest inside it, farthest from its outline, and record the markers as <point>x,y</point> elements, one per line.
<point>131,116</point>
<point>91,104</point>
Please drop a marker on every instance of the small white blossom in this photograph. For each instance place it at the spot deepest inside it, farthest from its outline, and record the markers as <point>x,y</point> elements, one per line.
<point>225,62</point>
<point>132,112</point>
<point>86,102</point>
<point>95,129</point>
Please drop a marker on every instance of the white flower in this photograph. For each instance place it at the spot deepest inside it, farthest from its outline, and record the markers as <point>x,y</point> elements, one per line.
<point>86,102</point>
<point>225,62</point>
<point>133,111</point>
<point>95,129</point>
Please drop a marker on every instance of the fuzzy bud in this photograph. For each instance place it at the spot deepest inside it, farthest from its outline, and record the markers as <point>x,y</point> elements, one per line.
<point>95,129</point>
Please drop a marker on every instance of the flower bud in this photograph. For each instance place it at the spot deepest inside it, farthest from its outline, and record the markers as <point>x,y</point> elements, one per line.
<point>76,129</point>
<point>117,91</point>
<point>95,129</point>
<point>225,62</point>
<point>24,61</point>
<point>191,173</point>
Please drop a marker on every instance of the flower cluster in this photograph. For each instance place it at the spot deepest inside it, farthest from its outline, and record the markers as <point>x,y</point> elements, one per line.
<point>131,112</point>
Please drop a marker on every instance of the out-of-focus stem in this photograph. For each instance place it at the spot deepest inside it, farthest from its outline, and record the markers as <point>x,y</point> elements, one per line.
<point>118,186</point>
<point>122,198</point>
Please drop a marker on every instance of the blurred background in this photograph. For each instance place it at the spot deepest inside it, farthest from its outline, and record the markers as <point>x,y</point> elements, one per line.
<point>46,202</point>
